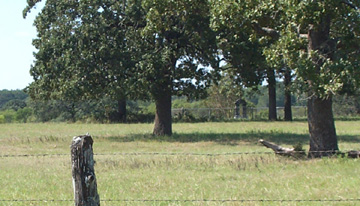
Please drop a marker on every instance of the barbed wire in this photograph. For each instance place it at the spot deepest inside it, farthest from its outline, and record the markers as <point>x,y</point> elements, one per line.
<point>189,200</point>
<point>236,200</point>
<point>32,155</point>
<point>176,154</point>
<point>180,154</point>
<point>34,200</point>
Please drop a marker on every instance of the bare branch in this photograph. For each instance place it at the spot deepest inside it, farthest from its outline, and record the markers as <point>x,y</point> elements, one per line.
<point>283,150</point>
<point>303,36</point>
<point>266,31</point>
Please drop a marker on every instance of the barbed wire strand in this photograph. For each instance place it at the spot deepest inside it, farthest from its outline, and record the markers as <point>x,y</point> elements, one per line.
<point>34,200</point>
<point>179,154</point>
<point>189,200</point>
<point>32,155</point>
<point>174,154</point>
<point>235,200</point>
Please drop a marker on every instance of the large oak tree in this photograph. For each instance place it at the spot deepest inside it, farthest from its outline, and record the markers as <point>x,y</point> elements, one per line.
<point>326,60</point>
<point>82,52</point>
<point>179,34</point>
<point>131,48</point>
<point>319,40</point>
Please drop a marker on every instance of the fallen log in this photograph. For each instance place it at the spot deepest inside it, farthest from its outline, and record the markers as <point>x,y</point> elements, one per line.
<point>299,152</point>
<point>354,154</point>
<point>293,152</point>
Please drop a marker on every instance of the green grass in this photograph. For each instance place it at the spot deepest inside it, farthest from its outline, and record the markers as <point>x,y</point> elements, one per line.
<point>178,177</point>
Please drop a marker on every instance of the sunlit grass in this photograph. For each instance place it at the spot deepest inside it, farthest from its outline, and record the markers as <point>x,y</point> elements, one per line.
<point>177,177</point>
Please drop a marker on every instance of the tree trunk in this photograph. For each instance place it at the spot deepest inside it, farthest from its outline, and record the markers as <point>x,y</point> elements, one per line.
<point>72,112</point>
<point>162,95</point>
<point>83,173</point>
<point>163,114</point>
<point>122,110</point>
<point>244,107</point>
<point>357,105</point>
<point>272,95</point>
<point>287,100</point>
<point>323,140</point>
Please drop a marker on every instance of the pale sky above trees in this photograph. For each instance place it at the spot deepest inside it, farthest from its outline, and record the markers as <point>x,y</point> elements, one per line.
<point>16,50</point>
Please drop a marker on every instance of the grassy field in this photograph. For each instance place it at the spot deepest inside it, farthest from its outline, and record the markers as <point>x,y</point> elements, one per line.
<point>178,177</point>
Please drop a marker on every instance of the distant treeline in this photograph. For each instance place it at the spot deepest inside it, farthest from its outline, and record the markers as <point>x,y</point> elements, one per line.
<point>16,106</point>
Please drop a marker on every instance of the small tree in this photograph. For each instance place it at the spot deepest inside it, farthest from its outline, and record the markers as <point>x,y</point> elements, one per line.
<point>242,48</point>
<point>2,119</point>
<point>22,115</point>
<point>9,115</point>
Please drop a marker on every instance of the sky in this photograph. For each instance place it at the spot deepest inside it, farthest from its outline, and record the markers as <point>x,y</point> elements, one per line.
<point>16,50</point>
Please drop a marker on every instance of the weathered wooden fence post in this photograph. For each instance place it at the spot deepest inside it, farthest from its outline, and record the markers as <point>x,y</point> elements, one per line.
<point>83,174</point>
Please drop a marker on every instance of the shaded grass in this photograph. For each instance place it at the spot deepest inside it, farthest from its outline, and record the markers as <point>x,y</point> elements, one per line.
<point>222,138</point>
<point>200,137</point>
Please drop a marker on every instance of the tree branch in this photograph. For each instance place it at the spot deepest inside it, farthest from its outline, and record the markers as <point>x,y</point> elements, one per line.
<point>266,31</point>
<point>303,36</point>
<point>348,3</point>
<point>31,4</point>
<point>283,150</point>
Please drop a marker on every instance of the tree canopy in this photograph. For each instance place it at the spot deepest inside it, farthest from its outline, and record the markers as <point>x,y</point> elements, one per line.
<point>82,51</point>
<point>159,48</point>
<point>318,40</point>
<point>136,49</point>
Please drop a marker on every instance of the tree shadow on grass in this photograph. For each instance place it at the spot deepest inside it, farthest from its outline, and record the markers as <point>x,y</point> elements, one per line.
<point>221,138</point>
<point>349,138</point>
<point>229,138</point>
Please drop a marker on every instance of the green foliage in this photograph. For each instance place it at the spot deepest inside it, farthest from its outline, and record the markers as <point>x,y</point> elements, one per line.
<point>179,33</point>
<point>105,110</point>
<point>262,115</point>
<point>82,51</point>
<point>14,95</point>
<point>138,49</point>
<point>22,115</point>
<point>88,49</point>
<point>261,97</point>
<point>225,93</point>
<point>346,105</point>
<point>184,116</point>
<point>327,65</point>
<point>240,50</point>
<point>278,31</point>
<point>2,119</point>
<point>298,147</point>
<point>14,104</point>
<point>124,50</point>
<point>9,115</point>
<point>184,102</point>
